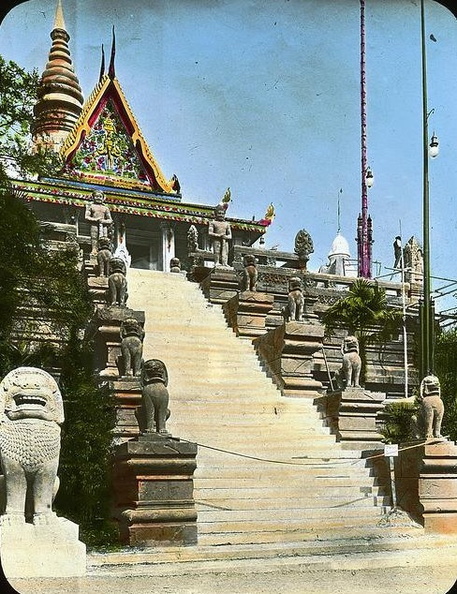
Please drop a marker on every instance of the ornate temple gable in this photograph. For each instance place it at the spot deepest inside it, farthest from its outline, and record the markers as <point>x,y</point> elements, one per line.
<point>106,145</point>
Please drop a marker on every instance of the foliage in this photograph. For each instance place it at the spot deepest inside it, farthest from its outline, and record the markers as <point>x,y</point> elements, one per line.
<point>18,95</point>
<point>364,312</point>
<point>85,461</point>
<point>31,276</point>
<point>35,279</point>
<point>446,371</point>
<point>398,425</point>
<point>48,285</point>
<point>19,244</point>
<point>397,415</point>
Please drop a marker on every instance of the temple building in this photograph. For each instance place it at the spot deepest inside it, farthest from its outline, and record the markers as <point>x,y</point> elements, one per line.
<point>103,149</point>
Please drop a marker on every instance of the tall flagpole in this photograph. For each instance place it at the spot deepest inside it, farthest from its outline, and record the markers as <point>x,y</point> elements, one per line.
<point>364,224</point>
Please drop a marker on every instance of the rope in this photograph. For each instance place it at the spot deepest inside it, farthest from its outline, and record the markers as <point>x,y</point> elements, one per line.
<point>290,463</point>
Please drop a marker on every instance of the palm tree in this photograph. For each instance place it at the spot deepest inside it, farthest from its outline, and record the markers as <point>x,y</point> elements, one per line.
<point>364,312</point>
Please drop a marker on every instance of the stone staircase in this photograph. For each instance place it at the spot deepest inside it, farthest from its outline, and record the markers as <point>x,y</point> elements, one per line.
<point>268,472</point>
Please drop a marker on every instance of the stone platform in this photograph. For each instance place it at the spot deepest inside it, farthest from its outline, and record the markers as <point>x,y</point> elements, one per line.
<point>53,550</point>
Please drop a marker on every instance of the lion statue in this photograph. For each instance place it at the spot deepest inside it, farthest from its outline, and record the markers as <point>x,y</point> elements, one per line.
<point>250,273</point>
<point>432,407</point>
<point>104,255</point>
<point>132,335</point>
<point>154,382</point>
<point>117,283</point>
<point>31,412</point>
<point>352,363</point>
<point>294,309</point>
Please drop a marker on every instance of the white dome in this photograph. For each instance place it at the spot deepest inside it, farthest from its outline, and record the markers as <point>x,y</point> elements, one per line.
<point>340,247</point>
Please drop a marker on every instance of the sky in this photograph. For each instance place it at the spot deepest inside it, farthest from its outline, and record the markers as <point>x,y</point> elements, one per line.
<point>264,96</point>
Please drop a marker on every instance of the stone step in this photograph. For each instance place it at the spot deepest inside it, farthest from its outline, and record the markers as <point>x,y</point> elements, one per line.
<point>308,507</point>
<point>336,532</point>
<point>305,521</point>
<point>225,381</point>
<point>385,548</point>
<point>303,485</point>
<point>280,470</point>
<point>247,477</point>
<point>257,446</point>
<point>276,492</point>
<point>281,409</point>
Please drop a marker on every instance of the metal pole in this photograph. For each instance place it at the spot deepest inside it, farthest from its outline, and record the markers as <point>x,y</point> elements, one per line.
<point>392,483</point>
<point>426,347</point>
<point>405,336</point>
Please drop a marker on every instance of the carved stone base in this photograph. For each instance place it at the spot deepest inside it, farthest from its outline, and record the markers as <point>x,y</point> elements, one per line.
<point>107,321</point>
<point>288,353</point>
<point>220,285</point>
<point>246,312</point>
<point>351,414</point>
<point>53,550</point>
<point>127,396</point>
<point>426,482</point>
<point>153,491</point>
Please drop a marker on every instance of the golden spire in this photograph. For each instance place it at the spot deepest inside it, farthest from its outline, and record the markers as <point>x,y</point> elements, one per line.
<point>60,99</point>
<point>59,22</point>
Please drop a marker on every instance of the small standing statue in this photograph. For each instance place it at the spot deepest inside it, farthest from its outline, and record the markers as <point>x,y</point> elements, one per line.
<point>99,217</point>
<point>154,381</point>
<point>220,232</point>
<point>117,283</point>
<point>352,363</point>
<point>192,240</point>
<point>132,335</point>
<point>294,310</point>
<point>414,263</point>
<point>250,273</point>
<point>104,256</point>
<point>432,406</point>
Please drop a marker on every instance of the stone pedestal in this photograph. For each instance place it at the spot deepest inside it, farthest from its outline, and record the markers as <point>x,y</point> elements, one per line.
<point>288,353</point>
<point>97,285</point>
<point>246,313</point>
<point>53,550</point>
<point>220,285</point>
<point>425,481</point>
<point>438,486</point>
<point>108,322</point>
<point>153,491</point>
<point>351,415</point>
<point>127,395</point>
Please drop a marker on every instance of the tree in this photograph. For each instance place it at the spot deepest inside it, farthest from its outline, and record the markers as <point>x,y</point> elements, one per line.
<point>446,371</point>
<point>364,312</point>
<point>18,95</point>
<point>47,284</point>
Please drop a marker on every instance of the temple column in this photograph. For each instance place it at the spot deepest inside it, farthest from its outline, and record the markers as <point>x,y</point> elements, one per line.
<point>168,245</point>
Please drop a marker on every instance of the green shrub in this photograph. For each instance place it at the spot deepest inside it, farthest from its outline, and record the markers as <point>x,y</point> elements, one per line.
<point>399,423</point>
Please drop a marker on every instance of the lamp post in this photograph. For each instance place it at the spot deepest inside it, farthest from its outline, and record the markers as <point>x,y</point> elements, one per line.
<point>427,308</point>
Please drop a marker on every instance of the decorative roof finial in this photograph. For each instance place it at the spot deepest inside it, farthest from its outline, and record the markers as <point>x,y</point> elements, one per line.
<point>59,22</point>
<point>102,65</point>
<point>111,72</point>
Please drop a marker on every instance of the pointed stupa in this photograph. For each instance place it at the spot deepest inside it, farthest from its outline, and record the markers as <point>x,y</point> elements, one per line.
<point>60,99</point>
<point>339,258</point>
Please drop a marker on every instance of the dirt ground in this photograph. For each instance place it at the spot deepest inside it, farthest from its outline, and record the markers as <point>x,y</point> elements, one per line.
<point>254,577</point>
